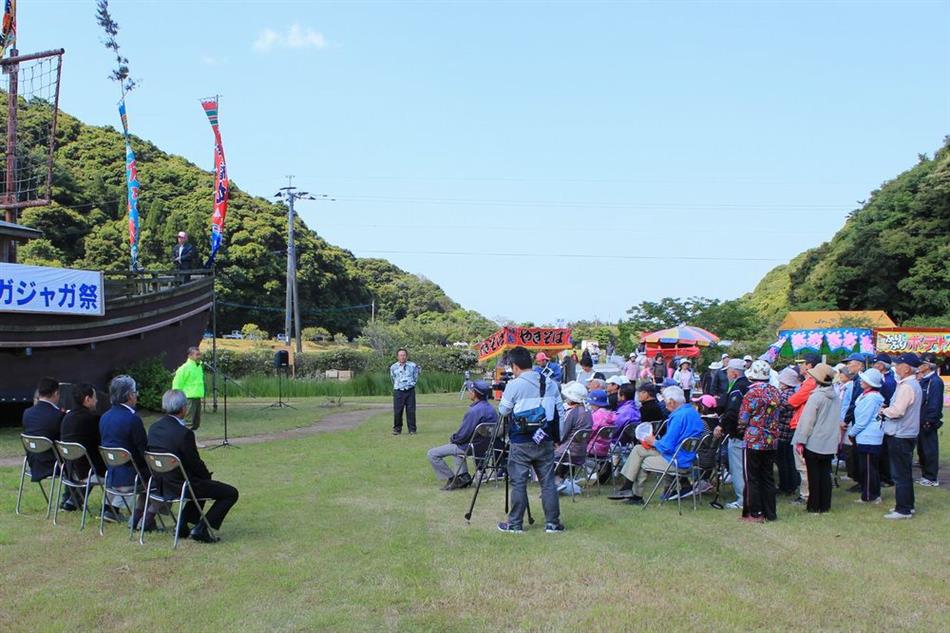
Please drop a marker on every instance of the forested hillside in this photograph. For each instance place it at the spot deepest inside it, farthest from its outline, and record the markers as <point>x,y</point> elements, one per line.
<point>893,254</point>
<point>86,226</point>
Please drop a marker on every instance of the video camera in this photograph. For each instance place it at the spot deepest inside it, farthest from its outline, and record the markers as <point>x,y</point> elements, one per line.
<point>502,382</point>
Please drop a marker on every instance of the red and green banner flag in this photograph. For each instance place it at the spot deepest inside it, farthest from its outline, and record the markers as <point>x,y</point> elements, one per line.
<point>221,183</point>
<point>132,180</point>
<point>8,32</point>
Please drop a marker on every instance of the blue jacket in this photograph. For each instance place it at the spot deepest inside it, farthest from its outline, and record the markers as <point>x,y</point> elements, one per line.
<point>555,370</point>
<point>479,412</point>
<point>867,429</point>
<point>889,387</point>
<point>120,427</point>
<point>931,410</point>
<point>682,423</point>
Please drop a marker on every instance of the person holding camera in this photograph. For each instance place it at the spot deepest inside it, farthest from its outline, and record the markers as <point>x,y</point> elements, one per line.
<point>534,405</point>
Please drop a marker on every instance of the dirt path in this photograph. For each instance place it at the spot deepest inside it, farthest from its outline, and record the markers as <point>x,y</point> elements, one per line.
<point>341,421</point>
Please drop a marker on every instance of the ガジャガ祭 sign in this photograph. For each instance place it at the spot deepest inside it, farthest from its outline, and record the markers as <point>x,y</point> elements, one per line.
<point>46,290</point>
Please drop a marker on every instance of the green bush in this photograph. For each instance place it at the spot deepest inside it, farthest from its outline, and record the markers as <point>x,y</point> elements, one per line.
<point>432,359</point>
<point>369,384</point>
<point>152,380</point>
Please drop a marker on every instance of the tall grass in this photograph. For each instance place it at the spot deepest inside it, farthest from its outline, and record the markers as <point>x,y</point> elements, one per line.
<point>369,384</point>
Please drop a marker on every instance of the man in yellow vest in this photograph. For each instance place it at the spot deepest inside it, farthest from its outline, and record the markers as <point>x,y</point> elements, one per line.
<point>190,378</point>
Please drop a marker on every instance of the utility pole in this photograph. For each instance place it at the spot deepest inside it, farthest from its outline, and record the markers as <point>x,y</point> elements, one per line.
<point>289,194</point>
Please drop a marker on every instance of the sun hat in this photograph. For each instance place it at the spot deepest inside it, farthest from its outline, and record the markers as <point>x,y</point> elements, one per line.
<point>707,400</point>
<point>873,377</point>
<point>540,356</point>
<point>724,356</point>
<point>182,234</point>
<point>908,358</point>
<point>715,365</point>
<point>632,355</point>
<point>736,363</point>
<point>575,392</point>
<point>598,397</point>
<point>747,358</point>
<point>758,371</point>
<point>789,377</point>
<point>686,361</point>
<point>480,387</point>
<point>620,380</point>
<point>823,373</point>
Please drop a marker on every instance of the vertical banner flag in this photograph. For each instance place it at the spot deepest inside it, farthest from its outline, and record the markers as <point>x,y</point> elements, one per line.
<point>221,184</point>
<point>8,32</point>
<point>132,178</point>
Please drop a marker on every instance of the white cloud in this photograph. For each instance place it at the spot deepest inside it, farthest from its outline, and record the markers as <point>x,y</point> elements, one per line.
<point>296,37</point>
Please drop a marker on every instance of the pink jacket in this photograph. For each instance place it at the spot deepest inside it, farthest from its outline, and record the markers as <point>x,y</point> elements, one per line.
<point>600,447</point>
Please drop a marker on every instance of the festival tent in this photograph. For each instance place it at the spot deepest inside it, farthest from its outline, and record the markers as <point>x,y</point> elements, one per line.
<point>682,341</point>
<point>828,332</point>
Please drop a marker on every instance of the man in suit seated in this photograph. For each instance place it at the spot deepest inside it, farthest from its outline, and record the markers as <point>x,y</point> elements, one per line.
<point>121,427</point>
<point>170,435</point>
<point>44,419</point>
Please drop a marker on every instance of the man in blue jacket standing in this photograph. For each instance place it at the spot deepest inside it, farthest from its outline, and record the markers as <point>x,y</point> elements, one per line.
<point>479,412</point>
<point>931,419</point>
<point>684,422</point>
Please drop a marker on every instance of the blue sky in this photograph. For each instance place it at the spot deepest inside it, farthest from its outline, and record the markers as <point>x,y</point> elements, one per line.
<point>525,155</point>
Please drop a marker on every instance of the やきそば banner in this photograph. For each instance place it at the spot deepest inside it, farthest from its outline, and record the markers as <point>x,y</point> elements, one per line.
<point>918,341</point>
<point>45,290</point>
<point>533,338</point>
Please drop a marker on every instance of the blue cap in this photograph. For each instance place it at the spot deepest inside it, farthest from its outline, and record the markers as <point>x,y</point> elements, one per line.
<point>668,382</point>
<point>909,358</point>
<point>480,387</point>
<point>858,356</point>
<point>882,358</point>
<point>812,359</point>
<point>598,397</point>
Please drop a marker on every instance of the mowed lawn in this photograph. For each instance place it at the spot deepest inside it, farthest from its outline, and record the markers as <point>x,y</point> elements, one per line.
<point>348,531</point>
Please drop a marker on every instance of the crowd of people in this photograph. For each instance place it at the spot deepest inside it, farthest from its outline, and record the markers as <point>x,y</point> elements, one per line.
<point>71,414</point>
<point>765,431</point>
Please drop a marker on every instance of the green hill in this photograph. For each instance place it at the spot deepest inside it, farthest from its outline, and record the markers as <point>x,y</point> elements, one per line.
<point>892,254</point>
<point>86,227</point>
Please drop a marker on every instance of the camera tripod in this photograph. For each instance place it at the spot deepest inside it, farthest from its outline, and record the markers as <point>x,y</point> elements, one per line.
<point>493,461</point>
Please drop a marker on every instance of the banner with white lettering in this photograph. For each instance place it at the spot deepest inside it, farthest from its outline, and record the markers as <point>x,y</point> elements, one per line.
<point>46,290</point>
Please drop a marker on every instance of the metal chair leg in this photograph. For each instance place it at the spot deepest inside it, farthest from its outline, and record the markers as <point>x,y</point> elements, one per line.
<point>19,493</point>
<point>181,508</point>
<point>148,491</point>
<point>52,491</point>
<point>56,509</point>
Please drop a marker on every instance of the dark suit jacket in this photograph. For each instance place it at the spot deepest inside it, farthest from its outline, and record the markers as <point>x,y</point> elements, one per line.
<point>189,257</point>
<point>120,427</point>
<point>167,435</point>
<point>82,426</point>
<point>42,419</point>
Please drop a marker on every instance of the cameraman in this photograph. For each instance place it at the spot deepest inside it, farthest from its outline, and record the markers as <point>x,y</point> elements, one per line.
<point>532,401</point>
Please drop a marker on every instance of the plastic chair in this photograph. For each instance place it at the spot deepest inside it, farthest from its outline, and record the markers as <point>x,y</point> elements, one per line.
<point>687,445</point>
<point>580,438</point>
<point>116,456</point>
<point>162,464</point>
<point>37,445</point>
<point>74,453</point>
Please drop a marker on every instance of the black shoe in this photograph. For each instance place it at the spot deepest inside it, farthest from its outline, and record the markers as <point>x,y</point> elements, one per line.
<point>887,484</point>
<point>799,501</point>
<point>112,514</point>
<point>510,529</point>
<point>620,495</point>
<point>554,528</point>
<point>634,501</point>
<point>412,432</point>
<point>201,534</point>
<point>68,506</point>
<point>395,432</point>
<point>855,488</point>
<point>463,481</point>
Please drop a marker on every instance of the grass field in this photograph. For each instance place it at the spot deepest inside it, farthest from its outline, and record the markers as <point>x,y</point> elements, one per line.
<point>348,531</point>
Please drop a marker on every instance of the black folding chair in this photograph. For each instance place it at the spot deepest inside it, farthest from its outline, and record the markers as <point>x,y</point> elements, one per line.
<point>493,459</point>
<point>618,454</point>
<point>37,445</point>
<point>580,438</point>
<point>687,445</point>
<point>162,464</point>
<point>73,455</point>
<point>481,430</point>
<point>598,463</point>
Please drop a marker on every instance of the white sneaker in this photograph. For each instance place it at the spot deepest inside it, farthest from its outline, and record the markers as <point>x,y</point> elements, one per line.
<point>898,515</point>
<point>912,510</point>
<point>734,505</point>
<point>923,481</point>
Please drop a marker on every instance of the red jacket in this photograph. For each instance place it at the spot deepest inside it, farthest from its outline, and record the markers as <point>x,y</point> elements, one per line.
<point>799,398</point>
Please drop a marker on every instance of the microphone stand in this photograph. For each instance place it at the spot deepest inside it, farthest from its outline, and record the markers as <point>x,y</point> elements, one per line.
<point>225,379</point>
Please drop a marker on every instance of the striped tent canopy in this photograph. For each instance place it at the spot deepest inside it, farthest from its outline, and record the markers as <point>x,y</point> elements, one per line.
<point>688,334</point>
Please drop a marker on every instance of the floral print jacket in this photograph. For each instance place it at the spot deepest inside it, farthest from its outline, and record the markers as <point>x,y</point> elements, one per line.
<point>759,417</point>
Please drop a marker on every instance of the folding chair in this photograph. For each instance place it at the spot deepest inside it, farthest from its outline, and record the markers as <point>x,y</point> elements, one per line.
<point>618,452</point>
<point>116,456</point>
<point>687,445</point>
<point>700,471</point>
<point>492,460</point>
<point>603,433</point>
<point>579,438</point>
<point>470,449</point>
<point>162,464</point>
<point>37,445</point>
<point>73,453</point>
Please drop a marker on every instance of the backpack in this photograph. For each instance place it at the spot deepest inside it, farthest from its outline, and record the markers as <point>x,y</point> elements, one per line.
<point>529,421</point>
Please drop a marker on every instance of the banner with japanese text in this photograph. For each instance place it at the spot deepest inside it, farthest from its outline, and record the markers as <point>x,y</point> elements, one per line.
<point>918,341</point>
<point>532,338</point>
<point>45,290</point>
